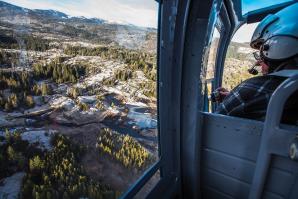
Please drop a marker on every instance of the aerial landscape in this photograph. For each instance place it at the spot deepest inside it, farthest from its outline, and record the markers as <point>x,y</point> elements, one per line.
<point>78,113</point>
<point>77,102</point>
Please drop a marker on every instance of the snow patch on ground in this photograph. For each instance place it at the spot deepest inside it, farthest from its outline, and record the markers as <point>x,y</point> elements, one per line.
<point>7,119</point>
<point>81,44</point>
<point>12,114</point>
<point>133,103</point>
<point>245,50</point>
<point>140,75</point>
<point>93,110</point>
<point>62,88</point>
<point>2,117</point>
<point>36,109</point>
<point>12,186</point>
<point>141,119</point>
<point>115,90</point>
<point>41,137</point>
<point>113,110</point>
<point>109,68</point>
<point>87,99</point>
<point>63,102</point>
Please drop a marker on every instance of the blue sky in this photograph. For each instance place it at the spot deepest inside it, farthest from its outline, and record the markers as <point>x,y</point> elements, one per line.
<point>137,12</point>
<point>249,5</point>
<point>245,32</point>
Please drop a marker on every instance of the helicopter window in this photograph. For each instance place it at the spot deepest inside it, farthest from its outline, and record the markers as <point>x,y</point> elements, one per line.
<point>239,57</point>
<point>78,113</point>
<point>210,71</point>
<point>249,5</point>
<point>212,54</point>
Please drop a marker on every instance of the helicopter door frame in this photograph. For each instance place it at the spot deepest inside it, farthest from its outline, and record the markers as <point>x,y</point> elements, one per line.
<point>225,26</point>
<point>200,23</point>
<point>226,34</point>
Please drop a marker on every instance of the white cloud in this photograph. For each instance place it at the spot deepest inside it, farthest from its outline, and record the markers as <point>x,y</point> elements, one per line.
<point>125,11</point>
<point>115,11</point>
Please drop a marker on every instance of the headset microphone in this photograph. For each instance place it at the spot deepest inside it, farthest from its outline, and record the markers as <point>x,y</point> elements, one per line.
<point>253,71</point>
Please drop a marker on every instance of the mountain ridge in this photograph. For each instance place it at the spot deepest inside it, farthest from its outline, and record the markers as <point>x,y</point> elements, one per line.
<point>55,24</point>
<point>10,10</point>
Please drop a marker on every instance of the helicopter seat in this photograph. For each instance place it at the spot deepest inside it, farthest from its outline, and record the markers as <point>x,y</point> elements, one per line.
<point>243,158</point>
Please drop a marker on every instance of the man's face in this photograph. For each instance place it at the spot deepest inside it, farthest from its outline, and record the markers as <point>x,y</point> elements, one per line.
<point>264,68</point>
<point>260,62</point>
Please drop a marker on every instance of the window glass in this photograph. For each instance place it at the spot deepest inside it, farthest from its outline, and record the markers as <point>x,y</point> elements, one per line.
<point>210,71</point>
<point>239,57</point>
<point>77,97</point>
<point>212,54</point>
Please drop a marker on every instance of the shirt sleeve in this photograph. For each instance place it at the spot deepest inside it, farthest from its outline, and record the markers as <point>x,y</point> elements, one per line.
<point>231,101</point>
<point>249,99</point>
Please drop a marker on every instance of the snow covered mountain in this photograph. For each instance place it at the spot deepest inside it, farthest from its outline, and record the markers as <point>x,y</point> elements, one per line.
<point>55,24</point>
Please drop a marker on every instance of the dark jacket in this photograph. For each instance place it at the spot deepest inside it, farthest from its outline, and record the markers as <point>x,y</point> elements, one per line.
<point>250,100</point>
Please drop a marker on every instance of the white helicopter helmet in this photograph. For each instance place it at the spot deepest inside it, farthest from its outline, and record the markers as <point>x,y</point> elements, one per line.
<point>276,36</point>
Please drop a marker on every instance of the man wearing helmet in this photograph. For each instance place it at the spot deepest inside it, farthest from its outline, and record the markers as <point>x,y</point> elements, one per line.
<point>276,39</point>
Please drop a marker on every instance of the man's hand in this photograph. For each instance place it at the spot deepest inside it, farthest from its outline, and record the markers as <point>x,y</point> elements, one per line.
<point>219,94</point>
<point>222,93</point>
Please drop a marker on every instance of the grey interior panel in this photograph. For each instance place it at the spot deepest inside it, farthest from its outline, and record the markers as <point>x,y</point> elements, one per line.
<point>229,152</point>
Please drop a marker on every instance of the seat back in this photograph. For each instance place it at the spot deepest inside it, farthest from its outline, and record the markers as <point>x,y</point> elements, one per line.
<point>229,155</point>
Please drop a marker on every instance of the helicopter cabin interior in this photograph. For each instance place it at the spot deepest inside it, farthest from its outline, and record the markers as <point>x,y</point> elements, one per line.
<point>207,155</point>
<point>101,99</point>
